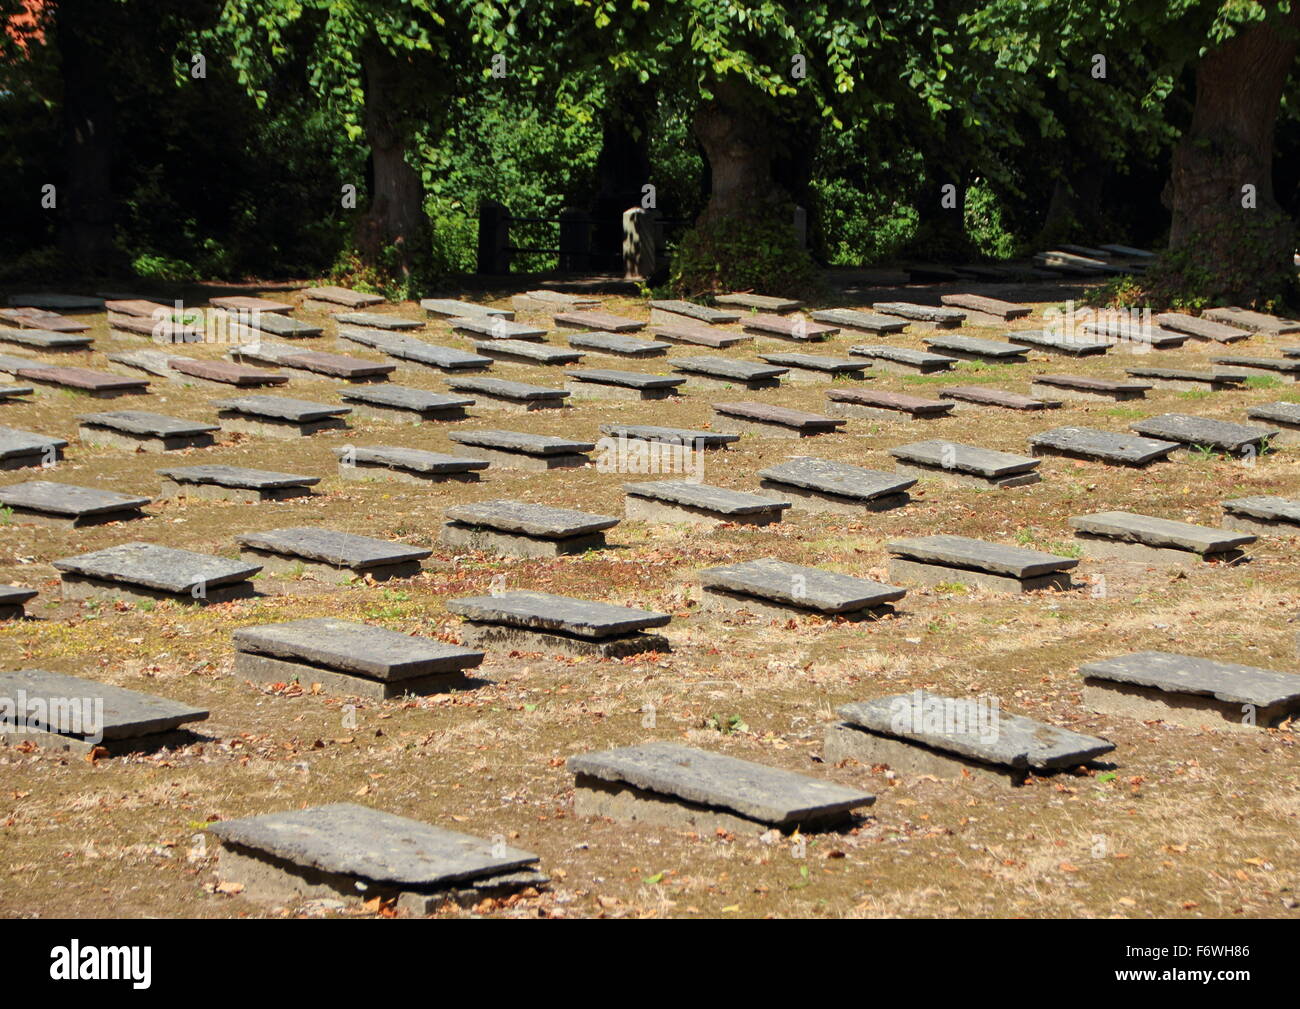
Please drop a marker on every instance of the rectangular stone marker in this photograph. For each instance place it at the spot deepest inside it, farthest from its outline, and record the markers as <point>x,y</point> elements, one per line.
<point>36,318</point>
<point>350,658</point>
<point>772,588</point>
<point>968,348</point>
<point>1268,515</point>
<point>233,483</point>
<point>1101,446</point>
<point>618,345</point>
<point>1126,333</point>
<point>939,560</point>
<point>986,395</point>
<point>11,393</point>
<point>352,852</point>
<point>981,309</point>
<point>863,322</point>
<point>243,303</point>
<point>449,309</point>
<point>762,302</point>
<point>606,383</point>
<point>158,329</point>
<point>377,320</point>
<point>406,465</point>
<point>820,485</point>
<point>539,621</point>
<point>1185,380</point>
<point>224,374</point>
<point>1285,369</point>
<point>1126,536</point>
<point>698,334</point>
<point>925,733</point>
<point>1191,691</point>
<point>903,360</point>
<point>279,416</point>
<point>276,325</point>
<point>23,449</point>
<point>409,351</point>
<point>61,712</point>
<point>97,384</point>
<point>785,327</point>
<point>56,302</point>
<point>724,373</point>
<point>497,328</point>
<point>12,600</point>
<point>1201,329</point>
<point>877,404</point>
<point>1191,431</point>
<point>524,529</point>
<point>330,555</point>
<point>43,339</point>
<point>965,464</point>
<point>151,362</point>
<point>773,421</point>
<point>1086,387</point>
<point>551,301</point>
<point>401,405</point>
<point>141,431</point>
<point>673,436</point>
<point>67,505</point>
<point>1283,416</point>
<point>598,321</point>
<point>670,311</point>
<point>350,369</point>
<point>523,451</point>
<point>818,368</point>
<point>516,397</point>
<point>1256,322</point>
<point>336,299</point>
<point>701,504</point>
<point>927,315</point>
<point>528,352</point>
<point>147,571</point>
<point>139,308</point>
<point>1056,343</point>
<point>671,785</point>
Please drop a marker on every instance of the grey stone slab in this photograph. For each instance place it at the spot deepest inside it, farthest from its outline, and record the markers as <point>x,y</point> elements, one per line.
<point>56,302</point>
<point>838,478</point>
<point>630,379</point>
<point>788,327</point>
<point>237,477</point>
<point>12,392</point>
<point>320,363</point>
<point>953,725</point>
<point>832,366</point>
<point>142,422</point>
<point>528,352</point>
<point>879,403</point>
<point>701,313</point>
<point>697,334</point>
<point>43,339</point>
<point>1059,343</point>
<point>497,328</point>
<point>985,395</point>
<point>974,348</point>
<point>1188,377</point>
<point>921,313</point>
<point>400,397</point>
<point>180,572</point>
<point>726,368</point>
<point>1104,446</point>
<point>564,614</point>
<point>964,458</point>
<point>820,591</point>
<point>343,296</point>
<point>1204,329</point>
<point>866,322</point>
<point>1281,365</point>
<point>718,500</point>
<point>16,595</point>
<point>552,301</point>
<point>670,435</point>
<point>1090,384</point>
<point>1004,310</point>
<point>351,647</point>
<point>919,361</point>
<point>1188,429</point>
<point>1265,509</point>
<point>1122,331</point>
<point>377,320</point>
<point>328,546</point>
<point>450,309</point>
<point>530,519</point>
<point>245,304</point>
<point>762,302</point>
<point>979,555</point>
<point>279,325</point>
<point>1157,532</point>
<point>83,709</point>
<point>412,459</point>
<point>16,444</point>
<point>297,411</point>
<point>778,416</point>
<point>1187,674</point>
<point>618,344</point>
<point>12,364</point>
<point>501,389</point>
<point>68,500</point>
<point>1257,322</point>
<point>1287,414</point>
<point>405,348</point>
<point>521,441</point>
<point>154,362</point>
<point>764,795</point>
<point>603,321</point>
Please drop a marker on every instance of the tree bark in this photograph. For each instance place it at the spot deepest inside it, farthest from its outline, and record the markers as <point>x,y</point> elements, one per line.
<point>736,134</point>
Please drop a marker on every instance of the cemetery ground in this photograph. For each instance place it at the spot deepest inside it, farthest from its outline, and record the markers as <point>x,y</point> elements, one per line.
<point>1188,824</point>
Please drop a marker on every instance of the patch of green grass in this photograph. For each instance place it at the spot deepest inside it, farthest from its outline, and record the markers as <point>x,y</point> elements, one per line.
<point>1125,412</point>
<point>726,724</point>
<point>956,588</point>
<point>1262,382</point>
<point>1195,394</point>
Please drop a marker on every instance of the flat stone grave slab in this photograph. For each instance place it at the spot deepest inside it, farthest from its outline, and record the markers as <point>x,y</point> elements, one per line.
<point>671,436</point>
<point>698,334</point>
<point>223,374</point>
<point>138,308</point>
<point>618,345</point>
<point>335,299</point>
<point>1087,388</point>
<point>940,318</point>
<point>1057,343</point>
<point>406,465</point>
<point>495,327</point>
<point>787,327</point>
<point>987,395</point>
<point>761,302</point>
<point>818,367</point>
<point>1284,416</point>
<point>879,404</point>
<point>233,483</point>
<point>407,350</point>
<point>773,588</point>
<point>1125,333</point>
<point>552,301</point>
<point>725,373</point>
<point>142,431</point>
<point>969,348</point>
<point>1256,322</point>
<point>55,302</point>
<point>450,309</point>
<point>159,328</point>
<point>671,785</point>
<point>524,451</point>
<point>350,658</point>
<point>701,504</point>
<point>1126,536</point>
<point>527,352</point>
<point>12,600</point>
<point>1190,431</point>
<point>1101,446</point>
<point>11,393</point>
<point>1190,691</point>
<point>37,318</point>
<point>863,322</point>
<point>343,851</point>
<point>96,384</point>
<point>243,303</point>
<point>607,383</point>
<point>350,369</point>
<point>540,621</point>
<point>1262,514</point>
<point>951,737</point>
<point>23,449</point>
<point>668,311</point>
<point>516,397</point>
<point>773,421</point>
<point>524,529</point>
<point>820,485</point>
<point>44,339</point>
<point>61,712</point>
<point>603,321</point>
<point>378,320</point>
<point>903,360</point>
<point>1186,380</point>
<point>279,416</point>
<point>151,362</point>
<point>1286,369</point>
<point>1201,329</point>
<point>276,325</point>
<point>140,571</point>
<point>68,506</point>
<point>941,560</point>
<point>404,405</point>
<point>981,309</point>
<point>329,555</point>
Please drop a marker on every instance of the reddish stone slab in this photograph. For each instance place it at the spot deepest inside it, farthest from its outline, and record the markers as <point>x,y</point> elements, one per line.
<point>226,372</point>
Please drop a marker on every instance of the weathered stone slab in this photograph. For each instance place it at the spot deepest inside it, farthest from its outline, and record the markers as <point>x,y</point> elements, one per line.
<point>21,449</point>
<point>671,784</point>
<point>243,303</point>
<point>794,588</point>
<point>822,485</point>
<point>37,318</point>
<point>762,302</point>
<point>978,305</point>
<point>608,383</point>
<point>764,418</point>
<point>680,501</point>
<point>377,320</point>
<point>13,364</point>
<point>11,393</point>
<point>1102,446</point>
<point>326,552</point>
<point>342,296</point>
<point>12,600</point>
<point>1256,322</point>
<point>944,318</point>
<point>449,309</point>
<point>561,623</point>
<point>723,372</point>
<point>969,348</point>
<point>1262,514</point>
<point>618,344</point>
<point>407,349</point>
<point>886,405</point>
<point>954,460</point>
<point>523,529</point>
<point>67,505</point>
<point>522,450</point>
<point>151,362</point>
<point>43,339</point>
<point>670,435</point>
<point>279,416</point>
<point>698,334</point>
<point>1146,538</point>
<point>495,327</point>
<point>405,405</point>
<point>527,352</point>
<point>795,328</point>
<point>552,301</point>
<point>979,555</point>
<point>1191,691</point>
<point>602,321</point>
<point>1202,329</point>
<point>140,430</point>
<point>408,465</point>
<point>1086,387</point>
<point>233,483</point>
<point>517,396</point>
<point>138,308</point>
<point>1219,435</point>
<point>903,360</point>
<point>226,373</point>
<point>99,384</point>
<point>159,328</point>
<point>276,325</point>
<point>690,310</point>
<point>863,322</point>
<point>55,302</point>
<point>1284,416</point>
<point>818,367</point>
<point>1058,343</point>
<point>1186,380</point>
<point>986,395</point>
<point>1275,367</point>
<point>146,570</point>
<point>351,369</point>
<point>1124,332</point>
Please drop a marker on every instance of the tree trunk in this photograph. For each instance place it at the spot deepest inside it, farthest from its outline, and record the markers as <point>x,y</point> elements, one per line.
<point>1243,254</point>
<point>736,135</point>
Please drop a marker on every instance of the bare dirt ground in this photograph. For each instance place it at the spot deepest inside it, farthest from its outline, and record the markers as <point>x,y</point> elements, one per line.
<point>1193,824</point>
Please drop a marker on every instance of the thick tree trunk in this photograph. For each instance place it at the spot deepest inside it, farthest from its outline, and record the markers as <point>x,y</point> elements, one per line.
<point>1245,252</point>
<point>736,135</point>
<point>85,201</point>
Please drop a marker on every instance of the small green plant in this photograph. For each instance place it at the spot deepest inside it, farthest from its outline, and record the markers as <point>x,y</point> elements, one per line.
<point>1194,394</point>
<point>726,724</point>
<point>6,515</point>
<point>956,588</point>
